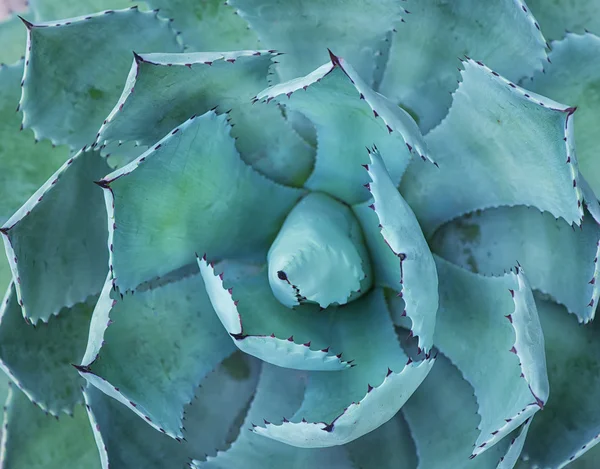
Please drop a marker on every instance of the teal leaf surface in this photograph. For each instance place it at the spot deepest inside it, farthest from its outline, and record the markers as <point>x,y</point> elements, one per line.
<point>559,261</point>
<point>84,47</point>
<point>163,90</point>
<point>348,116</point>
<point>38,359</point>
<point>173,325</point>
<point>33,440</point>
<point>401,257</point>
<point>304,29</point>
<point>263,327</point>
<point>572,78</point>
<point>489,328</point>
<point>13,37</point>
<point>422,68</point>
<point>208,25</point>
<point>340,407</point>
<point>223,207</point>
<point>569,426</point>
<point>56,242</point>
<point>500,145</point>
<point>559,16</point>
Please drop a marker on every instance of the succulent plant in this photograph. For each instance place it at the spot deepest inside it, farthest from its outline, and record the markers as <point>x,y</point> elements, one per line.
<point>262,233</point>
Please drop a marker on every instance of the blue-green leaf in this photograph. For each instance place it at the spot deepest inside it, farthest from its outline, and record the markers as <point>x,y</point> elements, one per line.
<point>558,260</point>
<point>56,242</point>
<point>421,70</point>
<point>279,392</point>
<point>262,326</point>
<point>496,137</point>
<point>33,440</point>
<point>319,255</point>
<point>209,25</point>
<point>38,359</point>
<point>559,16</point>
<point>76,68</point>
<point>304,29</point>
<point>569,426</point>
<point>48,10</point>
<point>340,407</point>
<point>572,78</point>
<point>145,332</point>
<point>190,192</point>
<point>348,116</point>
<point>13,37</point>
<point>163,90</point>
<point>401,258</point>
<point>489,328</point>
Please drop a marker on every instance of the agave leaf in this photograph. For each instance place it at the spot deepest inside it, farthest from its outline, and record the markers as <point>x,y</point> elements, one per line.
<point>163,90</point>
<point>558,260</point>
<point>33,440</point>
<point>20,175</point>
<point>572,78</point>
<point>319,255</point>
<point>262,326</point>
<point>209,25</point>
<point>38,359</point>
<point>499,145</point>
<point>401,258</point>
<point>13,38</point>
<point>421,71</point>
<point>341,407</point>
<point>61,58</point>
<point>496,341</point>
<point>279,392</point>
<point>48,10</point>
<point>442,418</point>
<point>559,16</point>
<point>125,441</point>
<point>56,242</point>
<point>348,116</point>
<point>172,325</point>
<point>391,446</point>
<point>190,192</point>
<point>569,425</point>
<point>355,29</point>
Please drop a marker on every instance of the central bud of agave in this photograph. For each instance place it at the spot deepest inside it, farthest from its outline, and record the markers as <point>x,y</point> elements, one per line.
<point>319,255</point>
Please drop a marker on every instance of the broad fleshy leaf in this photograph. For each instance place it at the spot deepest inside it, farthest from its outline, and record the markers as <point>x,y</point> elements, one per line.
<point>279,392</point>
<point>304,29</point>
<point>262,326</point>
<point>163,90</point>
<point>572,78</point>
<point>125,441</point>
<point>80,89</point>
<point>13,37</point>
<point>340,407</point>
<point>489,328</point>
<point>558,260</point>
<point>560,16</point>
<point>569,426</point>
<point>25,165</point>
<point>34,440</point>
<point>421,70</point>
<point>56,242</point>
<point>173,325</point>
<point>391,446</point>
<point>348,116</point>
<point>442,418</point>
<point>400,256</point>
<point>319,255</point>
<point>500,145</point>
<point>48,10</point>
<point>38,359</point>
<point>189,193</point>
<point>209,25</point>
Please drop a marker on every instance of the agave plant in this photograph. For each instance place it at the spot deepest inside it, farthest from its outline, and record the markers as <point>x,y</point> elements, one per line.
<point>261,233</point>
